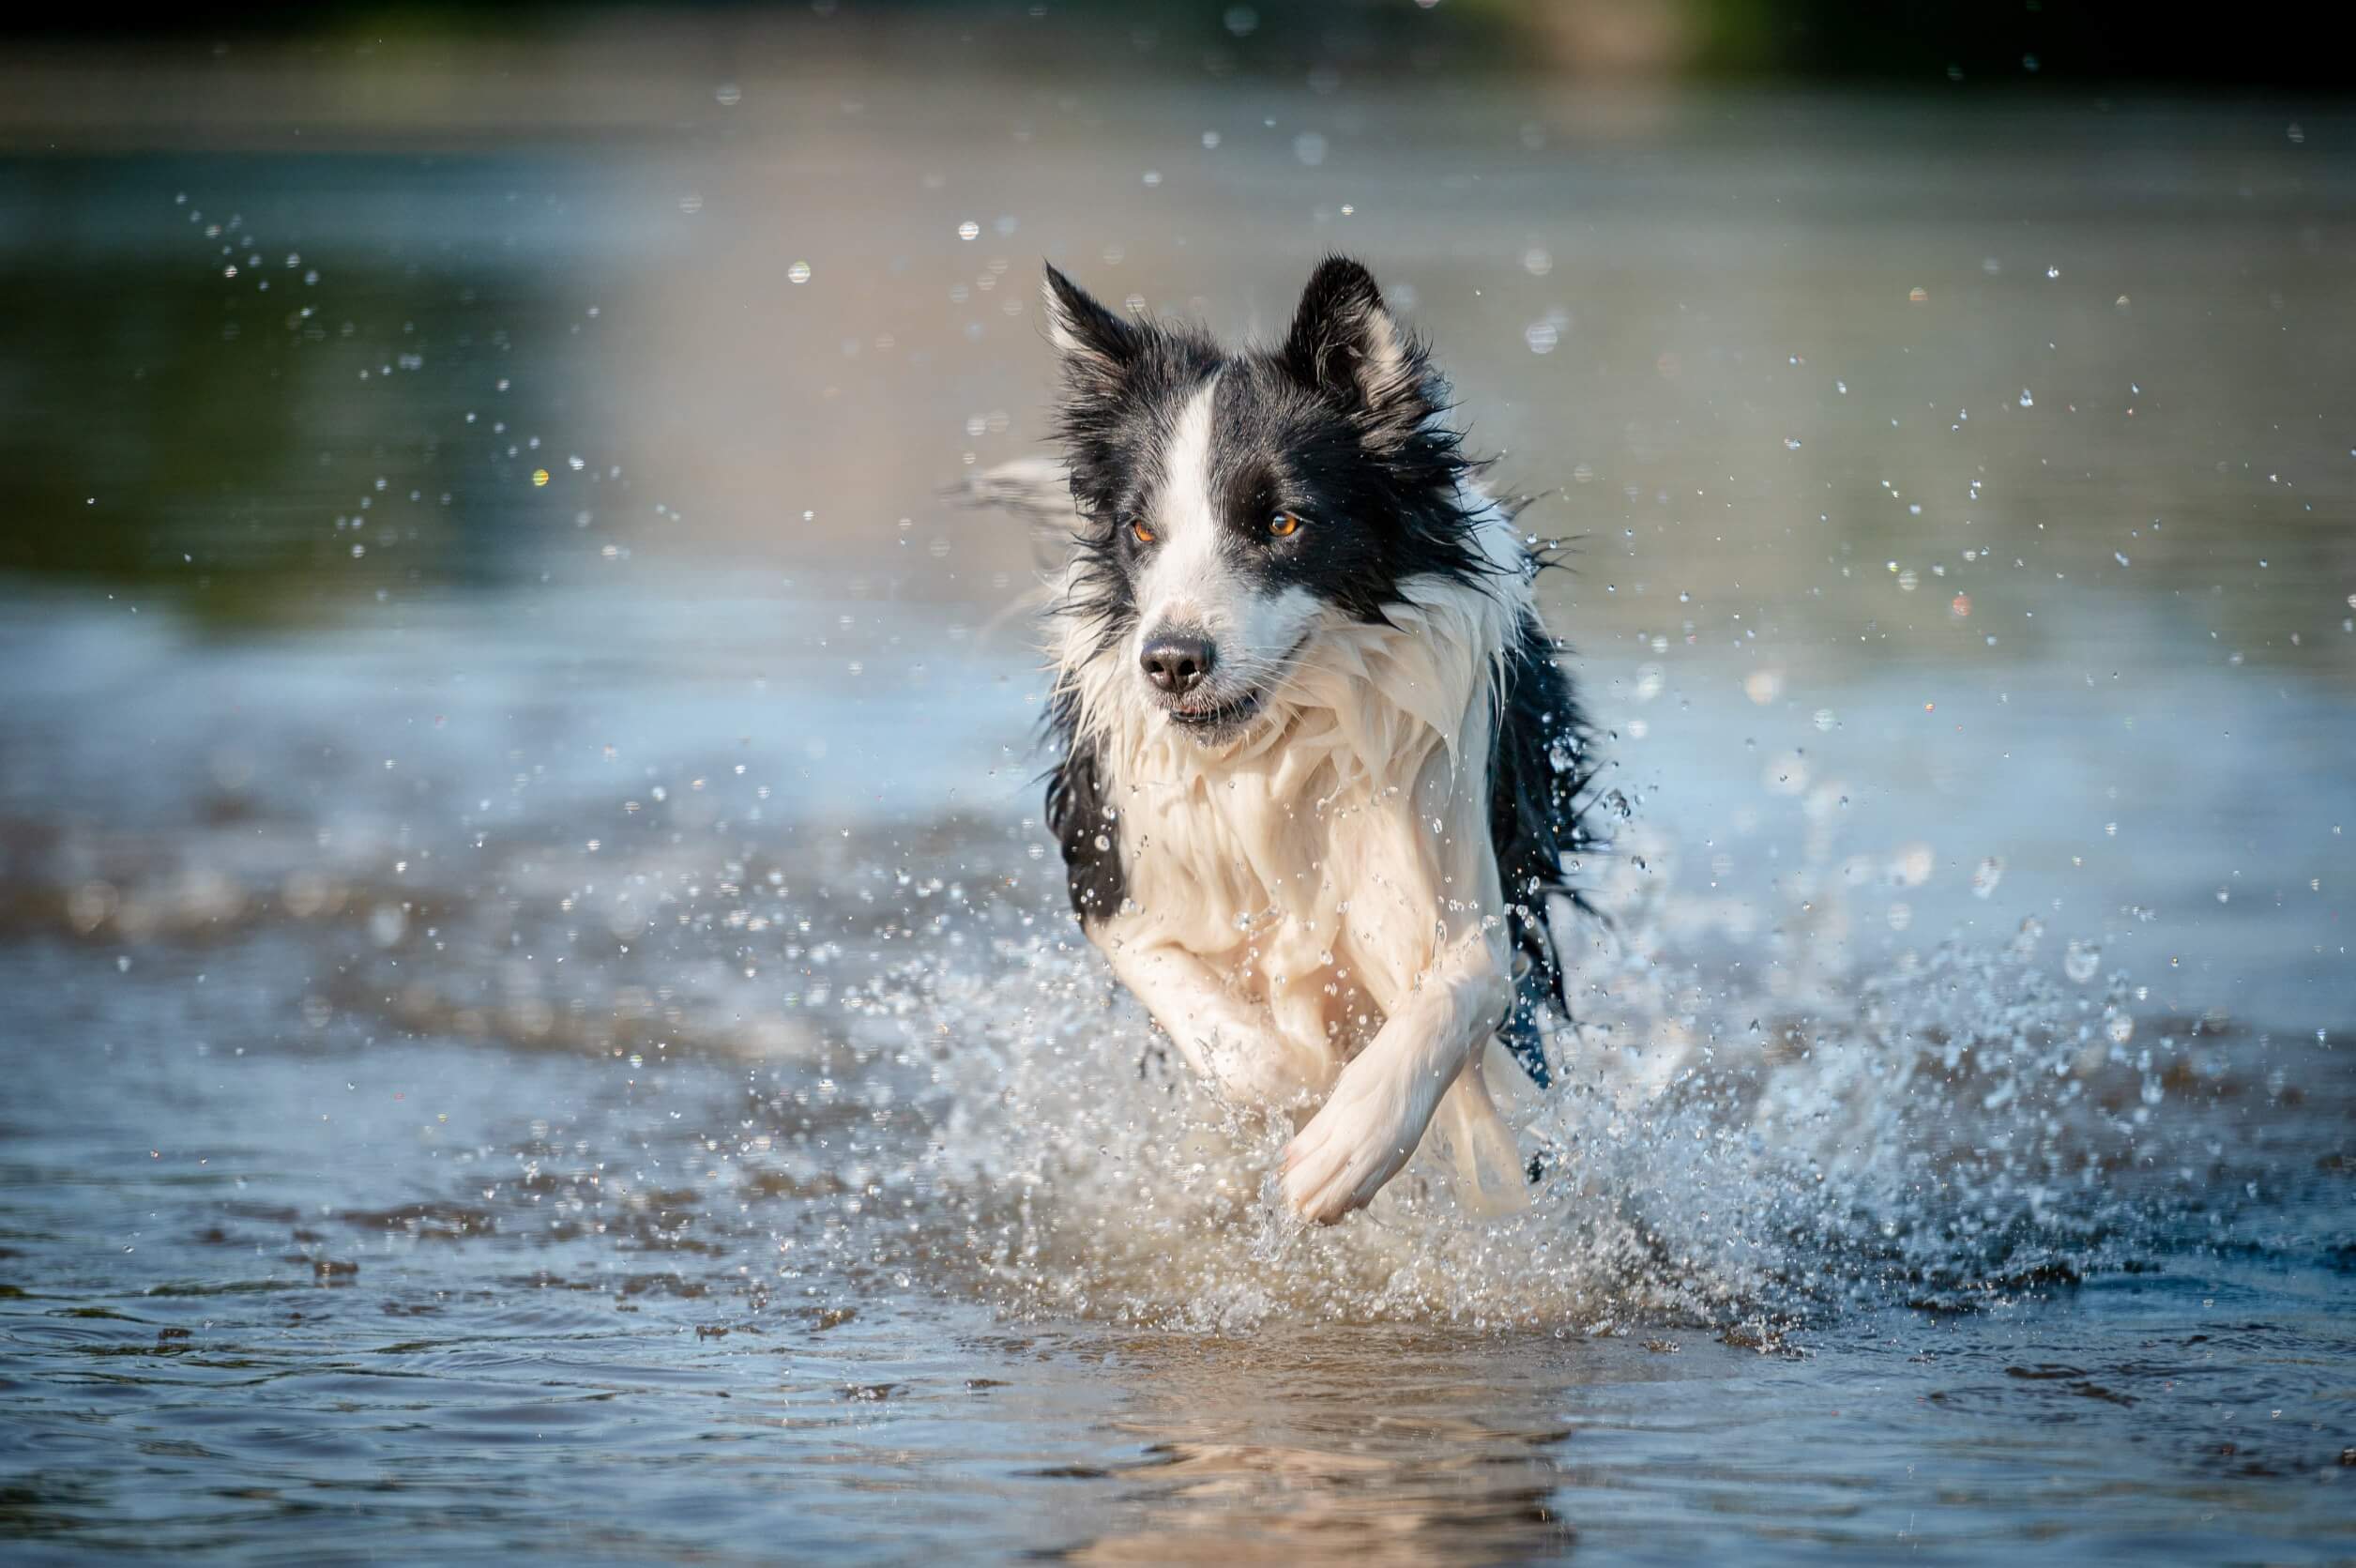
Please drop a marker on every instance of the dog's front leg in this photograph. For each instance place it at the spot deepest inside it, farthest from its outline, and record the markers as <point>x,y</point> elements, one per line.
<point>1228,1040</point>
<point>1384,1100</point>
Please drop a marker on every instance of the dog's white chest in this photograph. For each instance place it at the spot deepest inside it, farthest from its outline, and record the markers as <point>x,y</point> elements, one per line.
<point>1311,893</point>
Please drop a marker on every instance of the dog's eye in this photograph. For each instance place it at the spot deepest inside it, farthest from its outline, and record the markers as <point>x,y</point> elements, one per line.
<point>1285,525</point>
<point>1137,526</point>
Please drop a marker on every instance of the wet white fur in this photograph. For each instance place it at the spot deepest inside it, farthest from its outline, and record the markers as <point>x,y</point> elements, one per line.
<point>1312,911</point>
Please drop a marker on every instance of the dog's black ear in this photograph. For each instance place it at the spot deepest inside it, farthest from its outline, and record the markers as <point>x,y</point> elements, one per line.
<point>1346,346</point>
<point>1097,346</point>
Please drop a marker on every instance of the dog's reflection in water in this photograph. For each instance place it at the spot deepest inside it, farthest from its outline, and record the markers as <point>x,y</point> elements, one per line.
<point>1299,1468</point>
<point>1248,1502</point>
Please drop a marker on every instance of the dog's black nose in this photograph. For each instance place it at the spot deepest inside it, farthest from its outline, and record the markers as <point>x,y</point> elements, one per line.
<point>1178,664</point>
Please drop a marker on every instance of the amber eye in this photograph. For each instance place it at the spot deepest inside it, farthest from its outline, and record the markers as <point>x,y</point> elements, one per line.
<point>1285,525</point>
<point>1145,534</point>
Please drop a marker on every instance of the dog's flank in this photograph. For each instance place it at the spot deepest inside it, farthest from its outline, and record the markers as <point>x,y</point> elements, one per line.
<point>1539,778</point>
<point>1318,774</point>
<point>1081,815</point>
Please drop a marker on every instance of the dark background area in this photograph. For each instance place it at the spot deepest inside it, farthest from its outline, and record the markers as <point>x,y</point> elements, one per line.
<point>1929,43</point>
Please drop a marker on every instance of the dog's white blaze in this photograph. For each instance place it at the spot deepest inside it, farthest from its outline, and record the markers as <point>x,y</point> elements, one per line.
<point>1193,581</point>
<point>1190,576</point>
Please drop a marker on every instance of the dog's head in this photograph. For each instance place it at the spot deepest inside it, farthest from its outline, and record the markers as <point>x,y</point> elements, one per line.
<point>1235,504</point>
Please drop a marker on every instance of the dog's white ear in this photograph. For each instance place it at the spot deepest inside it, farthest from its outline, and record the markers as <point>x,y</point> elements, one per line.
<point>1097,346</point>
<point>1347,344</point>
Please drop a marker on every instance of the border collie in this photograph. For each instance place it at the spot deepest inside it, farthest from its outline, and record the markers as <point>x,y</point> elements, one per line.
<point>1319,778</point>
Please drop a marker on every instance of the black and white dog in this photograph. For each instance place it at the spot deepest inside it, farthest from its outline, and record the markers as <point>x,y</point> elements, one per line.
<point>1319,776</point>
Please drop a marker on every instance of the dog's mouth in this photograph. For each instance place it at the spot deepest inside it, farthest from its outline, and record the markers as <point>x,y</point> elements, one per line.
<point>1225,715</point>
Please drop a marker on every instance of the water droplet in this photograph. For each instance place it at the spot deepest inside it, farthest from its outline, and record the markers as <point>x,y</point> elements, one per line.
<point>1985,876</point>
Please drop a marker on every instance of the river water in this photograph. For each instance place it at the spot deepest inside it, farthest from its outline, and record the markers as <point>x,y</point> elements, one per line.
<point>541,1018</point>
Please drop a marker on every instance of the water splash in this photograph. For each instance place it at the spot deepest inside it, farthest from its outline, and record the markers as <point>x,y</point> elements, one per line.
<point>1763,1140</point>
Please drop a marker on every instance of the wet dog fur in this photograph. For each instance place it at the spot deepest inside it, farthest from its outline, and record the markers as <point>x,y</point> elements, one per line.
<point>1318,775</point>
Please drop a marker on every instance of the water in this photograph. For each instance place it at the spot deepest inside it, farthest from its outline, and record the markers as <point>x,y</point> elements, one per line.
<point>554,1034</point>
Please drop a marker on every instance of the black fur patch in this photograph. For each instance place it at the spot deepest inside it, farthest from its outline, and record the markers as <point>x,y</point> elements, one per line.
<point>1374,518</point>
<point>1539,770</point>
<point>1080,815</point>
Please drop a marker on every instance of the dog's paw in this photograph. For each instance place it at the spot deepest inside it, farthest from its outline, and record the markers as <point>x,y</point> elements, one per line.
<point>1366,1131</point>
